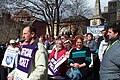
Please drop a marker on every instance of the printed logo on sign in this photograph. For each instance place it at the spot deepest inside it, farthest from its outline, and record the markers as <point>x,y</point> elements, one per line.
<point>52,66</point>
<point>23,62</point>
<point>9,60</point>
<point>27,52</point>
<point>95,30</point>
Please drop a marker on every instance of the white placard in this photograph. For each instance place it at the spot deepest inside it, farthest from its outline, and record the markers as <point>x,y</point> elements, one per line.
<point>9,57</point>
<point>95,30</point>
<point>24,61</point>
<point>20,75</point>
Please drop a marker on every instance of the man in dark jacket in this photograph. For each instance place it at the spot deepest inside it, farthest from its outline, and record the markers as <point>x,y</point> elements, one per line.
<point>110,66</point>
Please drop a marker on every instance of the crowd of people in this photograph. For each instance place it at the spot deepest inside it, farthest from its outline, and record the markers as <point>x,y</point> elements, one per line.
<point>64,57</point>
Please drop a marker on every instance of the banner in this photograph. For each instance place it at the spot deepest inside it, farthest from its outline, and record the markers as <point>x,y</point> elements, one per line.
<point>95,30</point>
<point>9,57</point>
<point>54,65</point>
<point>24,61</point>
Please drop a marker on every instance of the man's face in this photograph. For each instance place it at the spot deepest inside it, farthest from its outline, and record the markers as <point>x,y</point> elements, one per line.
<point>111,34</point>
<point>26,35</point>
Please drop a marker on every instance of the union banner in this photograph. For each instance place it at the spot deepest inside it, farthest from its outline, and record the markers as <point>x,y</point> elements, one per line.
<point>9,57</point>
<point>24,61</point>
<point>54,65</point>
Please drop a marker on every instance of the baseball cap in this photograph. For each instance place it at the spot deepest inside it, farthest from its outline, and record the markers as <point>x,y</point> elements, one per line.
<point>12,41</point>
<point>67,41</point>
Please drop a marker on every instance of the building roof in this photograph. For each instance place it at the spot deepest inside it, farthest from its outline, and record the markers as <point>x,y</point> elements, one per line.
<point>97,17</point>
<point>73,18</point>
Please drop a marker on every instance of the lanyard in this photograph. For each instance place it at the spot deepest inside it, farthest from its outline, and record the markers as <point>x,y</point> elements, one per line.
<point>111,45</point>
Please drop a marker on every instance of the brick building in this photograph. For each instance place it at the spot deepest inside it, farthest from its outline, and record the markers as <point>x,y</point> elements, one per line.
<point>112,12</point>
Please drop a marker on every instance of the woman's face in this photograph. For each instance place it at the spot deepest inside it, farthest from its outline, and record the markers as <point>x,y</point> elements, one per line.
<point>79,43</point>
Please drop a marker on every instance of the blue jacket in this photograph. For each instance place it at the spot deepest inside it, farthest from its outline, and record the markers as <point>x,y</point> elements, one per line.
<point>92,45</point>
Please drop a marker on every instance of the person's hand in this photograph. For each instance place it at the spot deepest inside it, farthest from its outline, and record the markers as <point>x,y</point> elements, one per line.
<point>100,60</point>
<point>71,64</point>
<point>82,65</point>
<point>87,45</point>
<point>88,42</point>
<point>10,78</point>
<point>76,65</point>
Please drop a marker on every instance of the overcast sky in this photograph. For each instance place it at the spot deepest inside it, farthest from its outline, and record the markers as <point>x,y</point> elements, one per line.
<point>102,2</point>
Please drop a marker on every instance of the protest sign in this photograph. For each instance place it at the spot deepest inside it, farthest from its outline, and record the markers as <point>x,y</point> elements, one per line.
<point>24,61</point>
<point>95,30</point>
<point>9,57</point>
<point>54,65</point>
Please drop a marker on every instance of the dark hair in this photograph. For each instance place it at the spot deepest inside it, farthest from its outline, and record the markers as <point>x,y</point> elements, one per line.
<point>32,29</point>
<point>90,34</point>
<point>115,28</point>
<point>106,36</point>
<point>104,30</point>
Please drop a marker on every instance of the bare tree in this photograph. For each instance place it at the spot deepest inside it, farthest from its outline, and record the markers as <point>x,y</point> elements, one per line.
<point>77,9</point>
<point>7,5</point>
<point>45,10</point>
<point>8,27</point>
<point>50,11</point>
